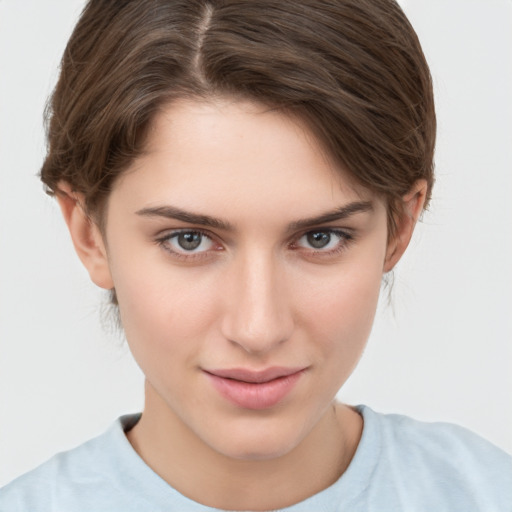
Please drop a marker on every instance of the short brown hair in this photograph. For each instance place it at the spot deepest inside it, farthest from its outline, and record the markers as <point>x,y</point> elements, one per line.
<point>353,70</point>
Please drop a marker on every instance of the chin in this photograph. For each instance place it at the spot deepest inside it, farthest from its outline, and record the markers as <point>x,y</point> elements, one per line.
<point>255,440</point>
<point>258,449</point>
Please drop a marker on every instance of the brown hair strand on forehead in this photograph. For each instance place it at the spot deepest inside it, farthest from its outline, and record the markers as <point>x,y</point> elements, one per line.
<point>352,70</point>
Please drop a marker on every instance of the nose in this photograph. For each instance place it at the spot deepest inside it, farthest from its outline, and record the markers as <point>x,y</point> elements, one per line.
<point>258,312</point>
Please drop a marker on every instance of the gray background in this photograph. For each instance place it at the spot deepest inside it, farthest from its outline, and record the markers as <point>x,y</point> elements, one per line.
<point>442,351</point>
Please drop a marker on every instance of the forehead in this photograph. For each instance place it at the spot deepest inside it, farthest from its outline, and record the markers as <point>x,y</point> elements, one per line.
<point>215,155</point>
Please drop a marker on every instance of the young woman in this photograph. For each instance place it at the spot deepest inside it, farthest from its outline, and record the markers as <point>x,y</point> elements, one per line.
<point>241,176</point>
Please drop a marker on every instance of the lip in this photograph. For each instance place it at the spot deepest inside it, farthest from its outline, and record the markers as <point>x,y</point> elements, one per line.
<point>256,390</point>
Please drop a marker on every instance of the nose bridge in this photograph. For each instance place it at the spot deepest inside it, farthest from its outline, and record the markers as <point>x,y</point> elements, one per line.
<point>258,313</point>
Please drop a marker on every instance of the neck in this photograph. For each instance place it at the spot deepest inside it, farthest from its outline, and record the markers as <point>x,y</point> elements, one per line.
<point>211,478</point>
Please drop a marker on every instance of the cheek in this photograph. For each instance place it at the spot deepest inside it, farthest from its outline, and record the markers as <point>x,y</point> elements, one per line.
<point>340,312</point>
<point>163,309</point>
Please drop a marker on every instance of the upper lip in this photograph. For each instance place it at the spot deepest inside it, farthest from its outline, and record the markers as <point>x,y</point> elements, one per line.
<point>256,376</point>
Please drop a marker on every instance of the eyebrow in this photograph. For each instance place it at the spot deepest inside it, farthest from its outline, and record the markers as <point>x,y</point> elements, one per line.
<point>340,213</point>
<point>172,212</point>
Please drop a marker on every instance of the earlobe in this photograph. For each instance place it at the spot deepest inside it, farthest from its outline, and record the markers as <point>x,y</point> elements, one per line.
<point>412,207</point>
<point>86,236</point>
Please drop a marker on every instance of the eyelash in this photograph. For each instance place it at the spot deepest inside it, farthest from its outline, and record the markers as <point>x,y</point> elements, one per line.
<point>164,240</point>
<point>345,239</point>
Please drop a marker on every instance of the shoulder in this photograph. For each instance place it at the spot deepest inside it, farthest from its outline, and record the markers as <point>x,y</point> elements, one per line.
<point>446,442</point>
<point>66,480</point>
<point>441,458</point>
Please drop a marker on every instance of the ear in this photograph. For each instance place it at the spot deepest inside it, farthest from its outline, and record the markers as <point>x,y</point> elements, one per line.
<point>86,236</point>
<point>412,207</point>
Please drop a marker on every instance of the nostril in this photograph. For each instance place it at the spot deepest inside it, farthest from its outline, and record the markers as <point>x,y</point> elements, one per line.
<point>259,343</point>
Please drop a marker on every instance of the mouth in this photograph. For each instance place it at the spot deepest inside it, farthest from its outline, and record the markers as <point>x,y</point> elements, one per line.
<point>255,390</point>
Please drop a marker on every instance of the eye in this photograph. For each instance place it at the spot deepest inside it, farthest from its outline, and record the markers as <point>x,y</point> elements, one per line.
<point>324,240</point>
<point>187,242</point>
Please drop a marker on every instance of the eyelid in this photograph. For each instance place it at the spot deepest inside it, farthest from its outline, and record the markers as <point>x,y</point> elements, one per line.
<point>346,236</point>
<point>168,234</point>
<point>343,232</point>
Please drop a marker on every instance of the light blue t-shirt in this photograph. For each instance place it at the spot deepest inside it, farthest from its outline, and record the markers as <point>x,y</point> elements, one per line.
<point>400,465</point>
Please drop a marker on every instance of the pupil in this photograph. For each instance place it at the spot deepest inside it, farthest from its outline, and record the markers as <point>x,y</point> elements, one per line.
<point>319,239</point>
<point>189,241</point>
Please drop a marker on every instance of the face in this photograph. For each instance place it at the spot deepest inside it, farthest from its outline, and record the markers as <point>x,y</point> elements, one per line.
<point>247,269</point>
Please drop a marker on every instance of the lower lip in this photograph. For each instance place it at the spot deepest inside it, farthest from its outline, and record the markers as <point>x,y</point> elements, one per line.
<point>249,395</point>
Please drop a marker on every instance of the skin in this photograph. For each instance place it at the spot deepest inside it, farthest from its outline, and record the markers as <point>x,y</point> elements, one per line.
<point>253,295</point>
